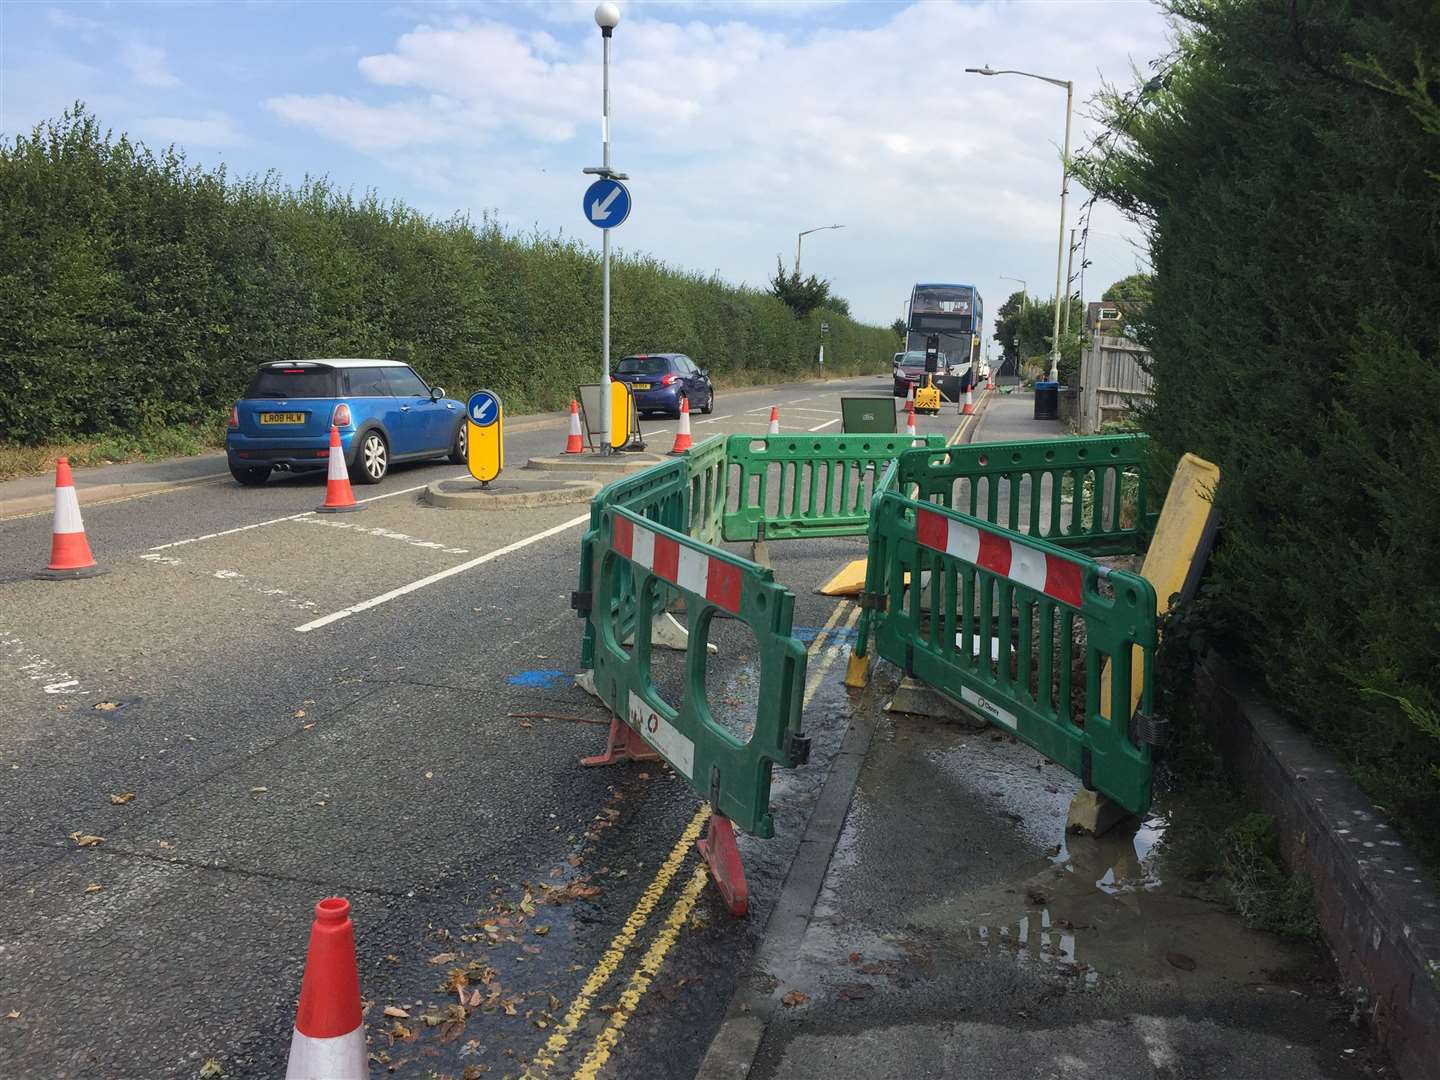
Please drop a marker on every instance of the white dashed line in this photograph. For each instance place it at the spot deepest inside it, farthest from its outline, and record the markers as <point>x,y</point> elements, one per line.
<point>403,590</point>
<point>826,424</point>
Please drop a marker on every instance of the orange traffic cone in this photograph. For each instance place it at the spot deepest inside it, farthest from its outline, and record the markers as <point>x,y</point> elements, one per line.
<point>329,1038</point>
<point>774,421</point>
<point>339,499</point>
<point>990,381</point>
<point>969,407</point>
<point>682,433</point>
<point>573,443</point>
<point>910,419</point>
<point>69,550</point>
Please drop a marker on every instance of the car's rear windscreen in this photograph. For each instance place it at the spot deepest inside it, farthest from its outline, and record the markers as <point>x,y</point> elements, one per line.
<point>643,365</point>
<point>292,382</point>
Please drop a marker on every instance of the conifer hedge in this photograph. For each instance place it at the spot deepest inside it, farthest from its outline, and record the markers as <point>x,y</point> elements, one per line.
<point>1286,162</point>
<point>137,289</point>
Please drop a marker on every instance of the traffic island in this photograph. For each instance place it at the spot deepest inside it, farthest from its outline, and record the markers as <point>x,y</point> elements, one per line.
<point>509,492</point>
<point>613,465</point>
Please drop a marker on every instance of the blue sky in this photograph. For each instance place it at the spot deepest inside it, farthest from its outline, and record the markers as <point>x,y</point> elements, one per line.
<point>740,123</point>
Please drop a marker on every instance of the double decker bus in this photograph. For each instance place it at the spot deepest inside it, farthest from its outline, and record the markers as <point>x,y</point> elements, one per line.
<point>957,314</point>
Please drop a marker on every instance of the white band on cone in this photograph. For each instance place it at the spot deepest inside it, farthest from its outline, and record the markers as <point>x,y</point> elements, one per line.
<point>337,464</point>
<point>67,512</point>
<point>342,1058</point>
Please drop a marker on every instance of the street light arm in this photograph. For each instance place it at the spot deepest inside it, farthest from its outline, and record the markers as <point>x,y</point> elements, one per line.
<point>1063,83</point>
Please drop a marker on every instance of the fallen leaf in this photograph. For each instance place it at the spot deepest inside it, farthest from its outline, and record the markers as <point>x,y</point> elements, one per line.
<point>106,706</point>
<point>432,1019</point>
<point>122,798</point>
<point>429,776</point>
<point>396,1012</point>
<point>94,888</point>
<point>442,958</point>
<point>299,714</point>
<point>542,930</point>
<point>793,998</point>
<point>527,904</point>
<point>86,840</point>
<point>1181,961</point>
<point>164,843</point>
<point>258,790</point>
<point>399,1031</point>
<point>13,1014</point>
<point>210,1069</point>
<point>474,1072</point>
<point>307,727</point>
<point>854,958</point>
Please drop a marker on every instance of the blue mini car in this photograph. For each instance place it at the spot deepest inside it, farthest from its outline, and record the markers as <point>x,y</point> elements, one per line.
<point>660,380</point>
<point>385,413</point>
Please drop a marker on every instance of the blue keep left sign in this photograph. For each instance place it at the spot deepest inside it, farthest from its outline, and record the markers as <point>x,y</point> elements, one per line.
<point>484,408</point>
<point>606,203</point>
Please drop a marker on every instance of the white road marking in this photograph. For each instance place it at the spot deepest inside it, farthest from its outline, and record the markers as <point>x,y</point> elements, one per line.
<point>715,419</point>
<point>51,677</point>
<point>383,598</point>
<point>826,424</point>
<point>235,577</point>
<point>228,532</point>
<point>384,533</point>
<point>287,517</point>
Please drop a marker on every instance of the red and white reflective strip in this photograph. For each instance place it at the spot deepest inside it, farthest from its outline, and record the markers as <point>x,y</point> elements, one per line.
<point>67,511</point>
<point>342,1057</point>
<point>1054,576</point>
<point>716,580</point>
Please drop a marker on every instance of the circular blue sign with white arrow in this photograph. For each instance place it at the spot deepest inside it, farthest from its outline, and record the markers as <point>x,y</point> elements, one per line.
<point>484,408</point>
<point>606,203</point>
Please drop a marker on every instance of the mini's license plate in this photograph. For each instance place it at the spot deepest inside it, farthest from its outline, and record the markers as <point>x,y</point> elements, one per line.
<point>282,418</point>
<point>640,386</point>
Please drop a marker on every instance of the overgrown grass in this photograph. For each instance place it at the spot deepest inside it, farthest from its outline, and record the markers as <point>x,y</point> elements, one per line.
<point>151,443</point>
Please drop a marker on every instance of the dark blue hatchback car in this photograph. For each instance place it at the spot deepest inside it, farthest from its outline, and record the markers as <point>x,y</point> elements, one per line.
<point>660,380</point>
<point>385,413</point>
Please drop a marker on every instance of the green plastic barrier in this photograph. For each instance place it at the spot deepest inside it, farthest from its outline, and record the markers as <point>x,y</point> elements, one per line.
<point>706,465</point>
<point>784,487</point>
<point>660,494</point>
<point>1087,493</point>
<point>639,563</point>
<point>992,621</point>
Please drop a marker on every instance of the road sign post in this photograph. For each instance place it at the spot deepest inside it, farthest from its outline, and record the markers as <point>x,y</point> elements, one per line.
<point>602,211</point>
<point>484,436</point>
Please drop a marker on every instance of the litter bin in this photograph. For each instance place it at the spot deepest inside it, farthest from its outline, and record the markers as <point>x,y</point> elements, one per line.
<point>1047,401</point>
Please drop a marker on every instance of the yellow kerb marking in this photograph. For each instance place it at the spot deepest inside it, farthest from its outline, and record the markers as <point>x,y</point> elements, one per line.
<point>649,899</point>
<point>615,954</point>
<point>640,981</point>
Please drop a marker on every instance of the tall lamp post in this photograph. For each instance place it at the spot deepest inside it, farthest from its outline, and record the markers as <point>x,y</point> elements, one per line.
<point>607,17</point>
<point>1024,294</point>
<point>1064,191</point>
<point>800,238</point>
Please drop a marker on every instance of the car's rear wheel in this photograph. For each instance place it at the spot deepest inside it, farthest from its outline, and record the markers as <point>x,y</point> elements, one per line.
<point>709,405</point>
<point>458,447</point>
<point>250,476</point>
<point>372,460</point>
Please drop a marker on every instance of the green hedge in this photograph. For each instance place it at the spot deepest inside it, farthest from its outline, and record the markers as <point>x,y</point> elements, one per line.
<point>137,289</point>
<point>1287,167</point>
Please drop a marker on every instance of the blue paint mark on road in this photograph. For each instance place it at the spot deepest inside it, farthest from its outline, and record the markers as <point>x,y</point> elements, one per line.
<point>835,633</point>
<point>542,680</point>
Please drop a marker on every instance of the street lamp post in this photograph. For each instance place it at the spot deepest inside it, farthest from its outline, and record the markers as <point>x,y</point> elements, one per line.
<point>801,236</point>
<point>1064,192</point>
<point>607,17</point>
<point>1024,294</point>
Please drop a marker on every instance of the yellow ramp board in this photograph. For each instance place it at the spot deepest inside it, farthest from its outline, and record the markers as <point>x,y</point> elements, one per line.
<point>848,581</point>
<point>1177,552</point>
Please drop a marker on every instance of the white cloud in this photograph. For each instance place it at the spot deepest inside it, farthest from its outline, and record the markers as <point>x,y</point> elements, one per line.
<point>68,20</point>
<point>146,64</point>
<point>739,133</point>
<point>214,130</point>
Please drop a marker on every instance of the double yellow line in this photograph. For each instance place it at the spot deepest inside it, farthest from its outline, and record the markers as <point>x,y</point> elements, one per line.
<point>639,983</point>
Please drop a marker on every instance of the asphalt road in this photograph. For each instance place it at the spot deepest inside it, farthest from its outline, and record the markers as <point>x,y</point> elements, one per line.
<point>247,731</point>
